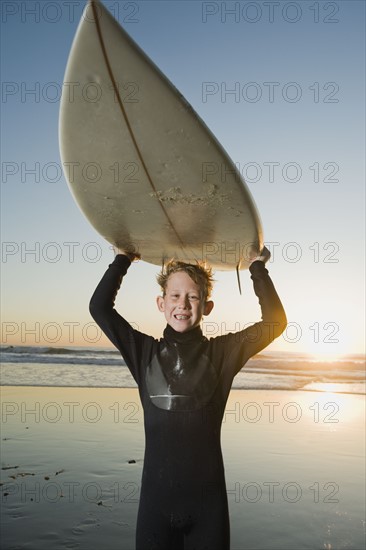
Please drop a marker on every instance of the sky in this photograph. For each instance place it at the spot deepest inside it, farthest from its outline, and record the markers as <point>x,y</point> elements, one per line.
<point>295,126</point>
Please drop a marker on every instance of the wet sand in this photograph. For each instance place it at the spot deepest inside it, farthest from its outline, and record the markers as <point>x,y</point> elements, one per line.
<point>72,461</point>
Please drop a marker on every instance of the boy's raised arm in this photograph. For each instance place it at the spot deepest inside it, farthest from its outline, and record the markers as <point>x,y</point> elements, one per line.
<point>114,326</point>
<point>259,335</point>
<point>103,299</point>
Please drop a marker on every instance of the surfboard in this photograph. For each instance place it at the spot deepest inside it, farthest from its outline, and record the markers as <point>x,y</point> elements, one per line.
<point>143,167</point>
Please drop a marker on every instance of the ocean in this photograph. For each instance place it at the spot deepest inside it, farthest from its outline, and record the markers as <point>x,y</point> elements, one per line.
<point>93,367</point>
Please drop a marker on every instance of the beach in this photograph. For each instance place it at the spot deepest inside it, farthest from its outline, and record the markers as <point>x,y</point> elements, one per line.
<point>72,460</point>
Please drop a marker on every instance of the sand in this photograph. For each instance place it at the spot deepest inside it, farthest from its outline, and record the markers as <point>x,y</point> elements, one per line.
<point>72,460</point>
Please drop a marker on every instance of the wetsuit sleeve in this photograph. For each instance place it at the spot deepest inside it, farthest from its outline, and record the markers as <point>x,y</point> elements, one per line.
<point>252,340</point>
<point>127,340</point>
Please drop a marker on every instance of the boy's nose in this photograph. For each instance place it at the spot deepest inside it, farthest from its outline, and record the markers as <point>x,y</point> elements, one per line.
<point>184,302</point>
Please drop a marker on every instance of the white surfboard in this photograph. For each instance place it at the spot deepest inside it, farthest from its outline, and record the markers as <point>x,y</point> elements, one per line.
<point>144,169</point>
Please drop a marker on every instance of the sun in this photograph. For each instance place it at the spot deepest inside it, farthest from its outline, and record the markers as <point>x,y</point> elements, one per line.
<point>323,351</point>
<point>327,356</point>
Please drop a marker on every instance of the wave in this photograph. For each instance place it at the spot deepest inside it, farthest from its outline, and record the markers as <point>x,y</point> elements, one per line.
<point>50,356</point>
<point>61,360</point>
<point>44,350</point>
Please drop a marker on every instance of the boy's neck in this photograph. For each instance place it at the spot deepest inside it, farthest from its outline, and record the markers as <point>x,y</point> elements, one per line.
<point>182,337</point>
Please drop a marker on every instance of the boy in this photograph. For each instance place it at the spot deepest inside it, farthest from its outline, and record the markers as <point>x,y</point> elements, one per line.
<point>184,381</point>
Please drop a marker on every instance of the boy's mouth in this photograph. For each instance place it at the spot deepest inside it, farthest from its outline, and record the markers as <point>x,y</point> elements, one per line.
<point>181,317</point>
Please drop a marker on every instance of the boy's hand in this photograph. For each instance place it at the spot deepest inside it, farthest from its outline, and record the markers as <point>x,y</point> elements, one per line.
<point>264,256</point>
<point>131,255</point>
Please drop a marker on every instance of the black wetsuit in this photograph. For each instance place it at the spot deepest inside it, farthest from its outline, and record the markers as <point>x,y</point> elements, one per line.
<point>184,380</point>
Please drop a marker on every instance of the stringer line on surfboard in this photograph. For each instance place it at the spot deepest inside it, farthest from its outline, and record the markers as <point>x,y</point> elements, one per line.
<point>124,114</point>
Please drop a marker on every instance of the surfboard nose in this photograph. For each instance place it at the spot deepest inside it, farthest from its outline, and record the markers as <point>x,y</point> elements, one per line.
<point>145,168</point>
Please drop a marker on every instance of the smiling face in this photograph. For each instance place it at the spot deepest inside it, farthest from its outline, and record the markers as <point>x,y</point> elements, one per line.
<point>183,304</point>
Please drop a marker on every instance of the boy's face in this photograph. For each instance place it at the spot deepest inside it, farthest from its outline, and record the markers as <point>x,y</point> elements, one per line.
<point>182,304</point>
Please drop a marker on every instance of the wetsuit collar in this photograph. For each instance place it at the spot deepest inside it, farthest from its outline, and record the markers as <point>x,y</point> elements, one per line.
<point>182,337</point>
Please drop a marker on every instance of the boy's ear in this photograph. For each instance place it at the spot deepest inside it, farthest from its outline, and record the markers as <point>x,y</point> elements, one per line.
<point>208,307</point>
<point>160,303</point>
